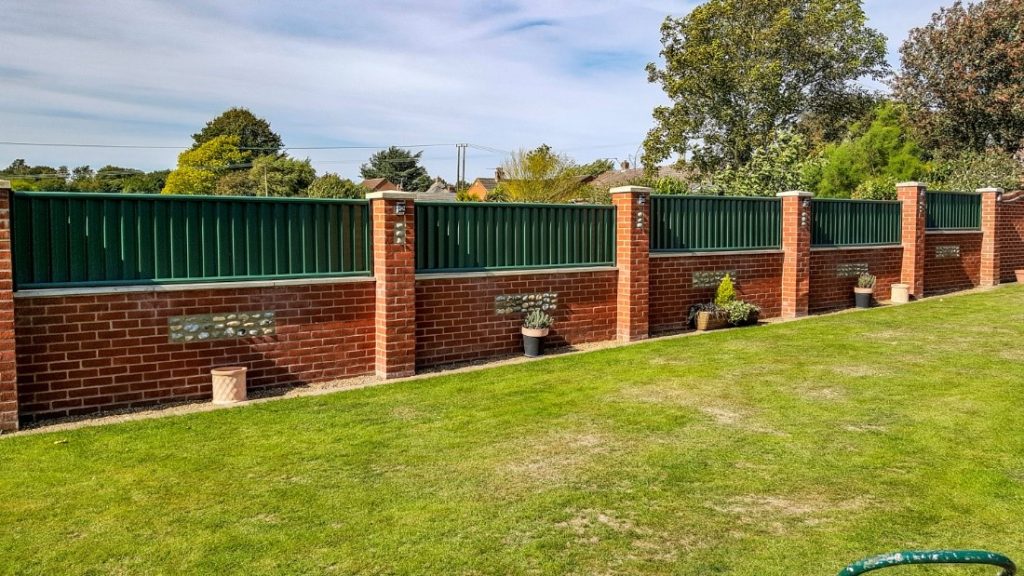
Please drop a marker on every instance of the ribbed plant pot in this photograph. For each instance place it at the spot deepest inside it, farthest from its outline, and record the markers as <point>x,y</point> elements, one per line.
<point>1020,275</point>
<point>533,341</point>
<point>229,385</point>
<point>863,296</point>
<point>900,293</point>
<point>710,321</point>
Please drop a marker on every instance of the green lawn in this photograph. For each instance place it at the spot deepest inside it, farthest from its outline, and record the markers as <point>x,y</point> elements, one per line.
<point>785,449</point>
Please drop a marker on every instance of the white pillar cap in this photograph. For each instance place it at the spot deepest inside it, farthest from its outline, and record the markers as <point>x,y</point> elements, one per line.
<point>630,189</point>
<point>979,190</point>
<point>6,184</point>
<point>391,195</point>
<point>911,185</point>
<point>797,193</point>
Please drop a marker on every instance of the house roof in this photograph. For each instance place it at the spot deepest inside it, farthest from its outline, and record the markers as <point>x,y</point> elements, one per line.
<point>488,183</point>
<point>377,184</point>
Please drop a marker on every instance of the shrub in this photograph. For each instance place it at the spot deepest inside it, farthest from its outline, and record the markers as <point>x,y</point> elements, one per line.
<point>740,312</point>
<point>726,292</point>
<point>537,319</point>
<point>866,281</point>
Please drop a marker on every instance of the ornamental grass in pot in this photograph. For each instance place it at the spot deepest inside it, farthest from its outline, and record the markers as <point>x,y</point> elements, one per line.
<point>536,325</point>
<point>864,291</point>
<point>725,310</point>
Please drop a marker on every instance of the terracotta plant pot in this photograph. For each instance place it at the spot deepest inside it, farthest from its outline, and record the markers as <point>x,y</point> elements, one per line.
<point>863,297</point>
<point>229,385</point>
<point>708,321</point>
<point>533,341</point>
<point>900,293</point>
<point>1020,275</point>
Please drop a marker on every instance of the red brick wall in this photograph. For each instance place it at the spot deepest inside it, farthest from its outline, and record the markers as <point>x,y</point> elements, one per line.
<point>78,354</point>
<point>8,365</point>
<point>943,275</point>
<point>456,318</point>
<point>758,279</point>
<point>829,292</point>
<point>1011,236</point>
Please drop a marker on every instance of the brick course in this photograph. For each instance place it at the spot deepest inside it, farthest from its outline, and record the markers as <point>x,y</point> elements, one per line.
<point>8,364</point>
<point>758,279</point>
<point>1011,236</point>
<point>456,319</point>
<point>942,275</point>
<point>83,353</point>
<point>831,292</point>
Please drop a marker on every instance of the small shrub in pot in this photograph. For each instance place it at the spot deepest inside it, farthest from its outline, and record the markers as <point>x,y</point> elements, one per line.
<point>536,325</point>
<point>864,290</point>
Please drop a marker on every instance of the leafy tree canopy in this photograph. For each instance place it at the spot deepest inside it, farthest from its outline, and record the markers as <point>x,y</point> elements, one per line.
<point>776,167</point>
<point>331,185</point>
<point>199,168</point>
<point>963,76</point>
<point>876,154</point>
<point>399,167</point>
<point>539,175</point>
<point>253,133</point>
<point>739,71</point>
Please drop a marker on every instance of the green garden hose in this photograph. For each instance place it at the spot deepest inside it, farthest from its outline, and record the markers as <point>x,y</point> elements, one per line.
<point>931,557</point>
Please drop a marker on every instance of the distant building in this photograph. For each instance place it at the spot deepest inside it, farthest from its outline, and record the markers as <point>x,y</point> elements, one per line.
<point>628,176</point>
<point>439,191</point>
<point>378,184</point>
<point>481,187</point>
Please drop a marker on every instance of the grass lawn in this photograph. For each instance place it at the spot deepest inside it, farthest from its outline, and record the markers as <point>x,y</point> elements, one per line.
<point>786,449</point>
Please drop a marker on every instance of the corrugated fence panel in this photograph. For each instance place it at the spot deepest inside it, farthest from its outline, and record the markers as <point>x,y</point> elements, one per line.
<point>855,223</point>
<point>69,239</point>
<point>953,211</point>
<point>715,223</point>
<point>461,236</point>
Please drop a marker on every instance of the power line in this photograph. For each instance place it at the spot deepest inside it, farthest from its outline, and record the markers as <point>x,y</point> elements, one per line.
<point>156,147</point>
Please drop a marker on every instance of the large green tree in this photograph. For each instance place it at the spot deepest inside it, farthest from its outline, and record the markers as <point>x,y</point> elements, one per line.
<point>539,175</point>
<point>739,71</point>
<point>331,185</point>
<point>253,133</point>
<point>398,166</point>
<point>199,169</point>
<point>963,76</point>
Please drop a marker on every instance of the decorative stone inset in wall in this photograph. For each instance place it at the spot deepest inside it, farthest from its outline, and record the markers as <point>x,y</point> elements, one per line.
<point>709,279</point>
<point>206,327</point>
<point>851,269</point>
<point>947,251</point>
<point>517,303</point>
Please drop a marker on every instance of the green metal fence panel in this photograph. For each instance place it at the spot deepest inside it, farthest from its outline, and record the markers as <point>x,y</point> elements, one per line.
<point>953,211</point>
<point>715,223</point>
<point>855,222</point>
<point>463,236</point>
<point>71,239</point>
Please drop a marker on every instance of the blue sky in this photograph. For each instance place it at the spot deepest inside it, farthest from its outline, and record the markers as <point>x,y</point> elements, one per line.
<point>505,74</point>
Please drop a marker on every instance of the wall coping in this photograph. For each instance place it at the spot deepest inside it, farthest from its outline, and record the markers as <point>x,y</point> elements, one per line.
<point>954,232</point>
<point>500,273</point>
<point>391,195</point>
<point>714,253</point>
<point>630,190</point>
<point>796,193</point>
<point>839,248</point>
<point>93,290</point>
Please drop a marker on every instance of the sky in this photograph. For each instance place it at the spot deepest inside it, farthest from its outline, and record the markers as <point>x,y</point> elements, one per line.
<point>502,74</point>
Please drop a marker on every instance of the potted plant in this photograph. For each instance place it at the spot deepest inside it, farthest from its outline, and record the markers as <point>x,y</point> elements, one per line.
<point>726,309</point>
<point>1020,275</point>
<point>535,327</point>
<point>740,313</point>
<point>864,290</point>
<point>707,316</point>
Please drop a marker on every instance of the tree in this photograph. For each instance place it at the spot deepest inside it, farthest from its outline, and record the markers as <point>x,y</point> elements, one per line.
<point>971,170</point>
<point>963,76</point>
<point>399,167</point>
<point>331,185</point>
<point>776,167</point>
<point>739,71</point>
<point>282,176</point>
<point>539,175</point>
<point>253,133</point>
<point>199,168</point>
<point>877,152</point>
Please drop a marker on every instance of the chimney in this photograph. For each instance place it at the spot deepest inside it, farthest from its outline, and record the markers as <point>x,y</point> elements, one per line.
<point>499,174</point>
<point>625,164</point>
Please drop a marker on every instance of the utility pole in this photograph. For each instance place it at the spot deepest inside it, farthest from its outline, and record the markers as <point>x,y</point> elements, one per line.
<point>460,165</point>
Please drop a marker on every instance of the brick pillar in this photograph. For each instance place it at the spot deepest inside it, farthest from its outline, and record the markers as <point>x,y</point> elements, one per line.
<point>914,212</point>
<point>632,251</point>
<point>990,201</point>
<point>394,268</point>
<point>796,248</point>
<point>8,365</point>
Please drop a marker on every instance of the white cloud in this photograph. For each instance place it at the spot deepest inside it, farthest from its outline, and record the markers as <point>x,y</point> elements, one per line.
<point>501,73</point>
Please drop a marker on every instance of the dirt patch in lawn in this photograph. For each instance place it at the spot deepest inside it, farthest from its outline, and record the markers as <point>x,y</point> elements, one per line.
<point>777,513</point>
<point>719,411</point>
<point>552,458</point>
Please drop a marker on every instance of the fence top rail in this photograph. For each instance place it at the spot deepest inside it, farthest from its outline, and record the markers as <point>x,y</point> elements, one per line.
<point>961,192</point>
<point>512,204</point>
<point>186,197</point>
<point>857,201</point>
<point>714,197</point>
